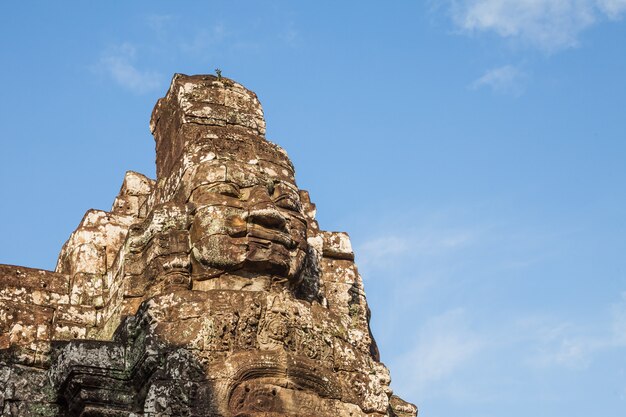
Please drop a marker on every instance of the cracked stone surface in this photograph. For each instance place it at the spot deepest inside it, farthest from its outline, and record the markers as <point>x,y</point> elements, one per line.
<point>210,291</point>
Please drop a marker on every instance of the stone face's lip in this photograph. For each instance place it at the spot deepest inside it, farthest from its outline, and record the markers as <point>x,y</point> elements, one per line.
<point>260,235</point>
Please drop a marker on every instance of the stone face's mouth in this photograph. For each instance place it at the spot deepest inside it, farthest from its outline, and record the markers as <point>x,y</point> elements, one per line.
<point>265,237</point>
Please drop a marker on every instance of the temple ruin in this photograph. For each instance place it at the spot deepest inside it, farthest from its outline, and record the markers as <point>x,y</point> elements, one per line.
<point>210,291</point>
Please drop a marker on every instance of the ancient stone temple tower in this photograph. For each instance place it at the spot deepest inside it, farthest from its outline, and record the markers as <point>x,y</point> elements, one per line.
<point>208,292</point>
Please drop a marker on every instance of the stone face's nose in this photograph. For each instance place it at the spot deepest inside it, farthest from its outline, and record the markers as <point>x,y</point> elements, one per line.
<point>268,217</point>
<point>263,211</point>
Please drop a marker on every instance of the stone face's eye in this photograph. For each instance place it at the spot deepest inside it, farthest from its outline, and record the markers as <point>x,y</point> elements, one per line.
<point>227,189</point>
<point>288,202</point>
<point>216,193</point>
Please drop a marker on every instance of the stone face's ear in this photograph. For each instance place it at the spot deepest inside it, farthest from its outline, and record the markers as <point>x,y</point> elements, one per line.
<point>337,245</point>
<point>308,207</point>
<point>134,194</point>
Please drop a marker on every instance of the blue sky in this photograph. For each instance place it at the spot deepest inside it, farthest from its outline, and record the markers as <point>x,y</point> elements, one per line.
<point>473,149</point>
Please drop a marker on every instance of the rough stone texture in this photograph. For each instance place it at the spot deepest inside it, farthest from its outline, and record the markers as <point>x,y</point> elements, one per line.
<point>208,292</point>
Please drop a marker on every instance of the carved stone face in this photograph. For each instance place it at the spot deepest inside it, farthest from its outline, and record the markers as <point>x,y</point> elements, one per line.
<point>282,385</point>
<point>245,220</point>
<point>265,397</point>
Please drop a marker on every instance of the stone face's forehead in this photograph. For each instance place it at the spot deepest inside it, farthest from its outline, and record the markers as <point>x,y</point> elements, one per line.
<point>250,152</point>
<point>241,175</point>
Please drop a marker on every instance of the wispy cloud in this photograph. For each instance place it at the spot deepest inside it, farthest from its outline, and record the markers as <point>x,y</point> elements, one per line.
<point>443,345</point>
<point>613,8</point>
<point>552,343</point>
<point>448,348</point>
<point>290,35</point>
<point>382,250</point>
<point>466,313</point>
<point>204,39</point>
<point>118,63</point>
<point>159,22</point>
<point>446,246</point>
<point>618,327</point>
<point>547,24</point>
<point>573,346</point>
<point>507,80</point>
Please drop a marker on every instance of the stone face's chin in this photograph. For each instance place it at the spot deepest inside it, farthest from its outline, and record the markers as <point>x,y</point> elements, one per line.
<point>267,256</point>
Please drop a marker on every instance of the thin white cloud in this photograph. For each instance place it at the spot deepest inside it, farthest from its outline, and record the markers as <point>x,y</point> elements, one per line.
<point>447,346</point>
<point>290,35</point>
<point>547,24</point>
<point>444,345</point>
<point>383,250</point>
<point>568,345</point>
<point>560,345</point>
<point>205,39</point>
<point>159,22</point>
<point>118,63</point>
<point>613,8</point>
<point>507,80</point>
<point>618,322</point>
